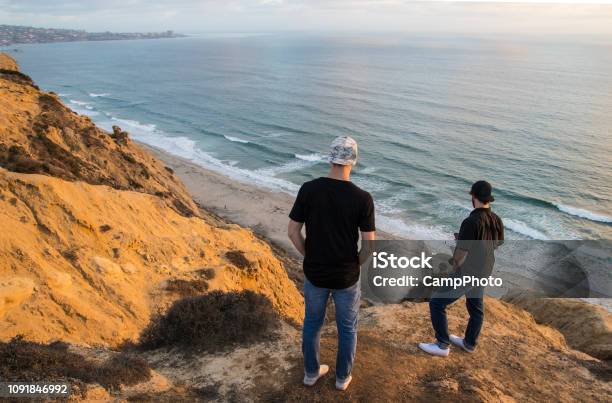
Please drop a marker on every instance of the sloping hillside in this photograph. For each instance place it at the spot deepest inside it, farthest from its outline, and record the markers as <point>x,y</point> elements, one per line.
<point>89,264</point>
<point>39,134</point>
<point>95,231</point>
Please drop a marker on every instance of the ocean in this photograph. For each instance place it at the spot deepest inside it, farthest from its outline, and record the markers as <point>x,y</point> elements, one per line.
<point>431,114</point>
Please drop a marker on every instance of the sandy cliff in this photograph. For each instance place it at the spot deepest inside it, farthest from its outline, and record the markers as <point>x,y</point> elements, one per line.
<point>97,236</point>
<point>93,228</point>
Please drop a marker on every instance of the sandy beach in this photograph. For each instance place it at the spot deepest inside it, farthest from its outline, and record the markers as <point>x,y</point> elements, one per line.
<point>265,211</point>
<point>262,210</point>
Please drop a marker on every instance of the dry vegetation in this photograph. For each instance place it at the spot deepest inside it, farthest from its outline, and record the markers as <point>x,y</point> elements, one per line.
<point>187,288</point>
<point>213,322</point>
<point>22,360</point>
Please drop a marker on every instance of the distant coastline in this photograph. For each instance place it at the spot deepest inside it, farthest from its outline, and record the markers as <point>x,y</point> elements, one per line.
<point>17,34</point>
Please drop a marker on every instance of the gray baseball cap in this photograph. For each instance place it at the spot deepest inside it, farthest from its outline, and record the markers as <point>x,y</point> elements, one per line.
<point>343,151</point>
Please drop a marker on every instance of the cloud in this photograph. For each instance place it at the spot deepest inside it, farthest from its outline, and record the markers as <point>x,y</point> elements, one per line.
<point>521,16</point>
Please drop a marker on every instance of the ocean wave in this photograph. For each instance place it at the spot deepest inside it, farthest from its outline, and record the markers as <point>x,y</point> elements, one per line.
<point>583,213</point>
<point>187,148</point>
<point>399,227</point>
<point>83,108</point>
<point>573,211</point>
<point>79,103</point>
<point>273,135</point>
<point>310,157</point>
<point>370,185</point>
<point>301,162</point>
<point>98,95</point>
<point>367,170</point>
<point>236,139</point>
<point>523,229</point>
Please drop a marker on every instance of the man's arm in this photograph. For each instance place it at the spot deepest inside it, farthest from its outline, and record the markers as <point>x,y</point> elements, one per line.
<point>467,232</point>
<point>500,235</point>
<point>294,232</point>
<point>367,246</point>
<point>459,258</point>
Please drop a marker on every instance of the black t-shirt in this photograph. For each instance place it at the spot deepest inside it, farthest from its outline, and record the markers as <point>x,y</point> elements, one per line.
<point>480,234</point>
<point>333,211</point>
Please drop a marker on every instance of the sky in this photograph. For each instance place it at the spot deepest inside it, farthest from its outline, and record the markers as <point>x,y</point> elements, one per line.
<point>193,16</point>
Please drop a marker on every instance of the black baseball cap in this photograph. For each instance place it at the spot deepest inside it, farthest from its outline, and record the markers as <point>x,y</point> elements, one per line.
<point>483,191</point>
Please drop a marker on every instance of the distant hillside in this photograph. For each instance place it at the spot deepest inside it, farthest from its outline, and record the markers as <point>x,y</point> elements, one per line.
<point>13,34</point>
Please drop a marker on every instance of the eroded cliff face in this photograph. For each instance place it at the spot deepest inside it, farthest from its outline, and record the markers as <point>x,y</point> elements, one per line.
<point>94,229</point>
<point>39,134</point>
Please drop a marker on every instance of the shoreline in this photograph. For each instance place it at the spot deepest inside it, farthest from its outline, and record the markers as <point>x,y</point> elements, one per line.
<point>265,211</point>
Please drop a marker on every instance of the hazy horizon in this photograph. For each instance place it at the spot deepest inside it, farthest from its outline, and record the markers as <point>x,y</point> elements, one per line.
<point>431,16</point>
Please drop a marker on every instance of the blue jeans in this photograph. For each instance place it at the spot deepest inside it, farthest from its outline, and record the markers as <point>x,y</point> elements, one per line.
<point>346,302</point>
<point>475,305</point>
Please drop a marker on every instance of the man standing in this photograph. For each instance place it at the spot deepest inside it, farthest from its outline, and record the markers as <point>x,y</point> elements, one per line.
<point>334,210</point>
<point>479,236</point>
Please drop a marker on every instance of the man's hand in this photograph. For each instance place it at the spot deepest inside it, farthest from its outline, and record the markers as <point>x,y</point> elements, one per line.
<point>367,246</point>
<point>294,232</point>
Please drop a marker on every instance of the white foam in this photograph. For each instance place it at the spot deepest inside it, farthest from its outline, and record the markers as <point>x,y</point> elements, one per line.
<point>367,170</point>
<point>100,95</point>
<point>523,229</point>
<point>370,185</point>
<point>79,103</point>
<point>301,162</point>
<point>389,218</point>
<point>83,108</point>
<point>187,148</point>
<point>399,227</point>
<point>310,157</point>
<point>236,139</point>
<point>583,213</point>
<point>63,94</point>
<point>390,204</point>
<point>272,135</point>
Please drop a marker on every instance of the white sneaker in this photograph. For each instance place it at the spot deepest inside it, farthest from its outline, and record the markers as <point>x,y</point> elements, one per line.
<point>344,384</point>
<point>458,341</point>
<point>434,349</point>
<point>309,381</point>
